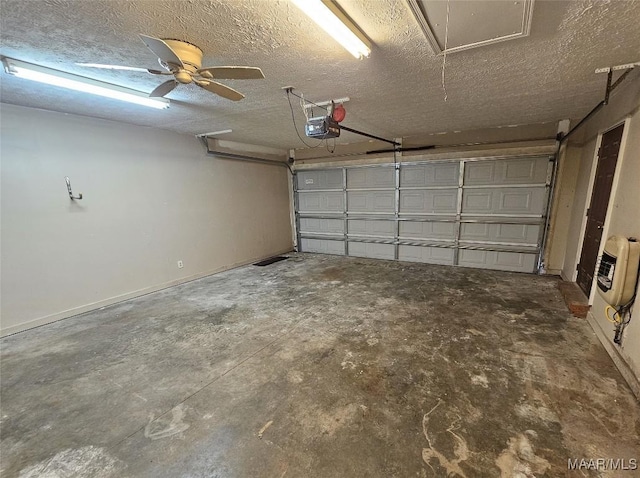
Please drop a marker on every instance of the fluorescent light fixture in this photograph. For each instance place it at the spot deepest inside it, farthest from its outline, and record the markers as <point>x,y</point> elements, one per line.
<point>333,21</point>
<point>51,77</point>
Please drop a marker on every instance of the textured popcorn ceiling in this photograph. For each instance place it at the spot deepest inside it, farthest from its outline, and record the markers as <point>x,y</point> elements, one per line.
<point>396,92</point>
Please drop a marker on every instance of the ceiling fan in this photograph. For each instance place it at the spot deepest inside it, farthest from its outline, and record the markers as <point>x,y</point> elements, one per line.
<point>183,60</point>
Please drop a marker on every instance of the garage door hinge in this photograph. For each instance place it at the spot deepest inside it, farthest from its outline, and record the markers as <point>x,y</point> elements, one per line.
<point>578,267</point>
<point>588,209</point>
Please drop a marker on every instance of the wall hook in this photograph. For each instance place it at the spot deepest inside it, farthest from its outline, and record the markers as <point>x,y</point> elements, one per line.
<point>66,178</point>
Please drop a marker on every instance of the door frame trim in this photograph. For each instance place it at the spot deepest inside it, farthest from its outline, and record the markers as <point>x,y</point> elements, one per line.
<point>614,189</point>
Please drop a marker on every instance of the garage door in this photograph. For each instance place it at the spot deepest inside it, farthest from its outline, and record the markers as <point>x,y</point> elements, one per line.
<point>485,213</point>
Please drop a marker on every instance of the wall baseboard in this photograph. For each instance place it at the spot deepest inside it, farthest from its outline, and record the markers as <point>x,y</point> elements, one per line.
<point>65,314</point>
<point>553,272</point>
<point>615,355</point>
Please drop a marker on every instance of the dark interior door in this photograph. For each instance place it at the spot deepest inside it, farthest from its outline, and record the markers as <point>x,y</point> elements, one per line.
<point>607,159</point>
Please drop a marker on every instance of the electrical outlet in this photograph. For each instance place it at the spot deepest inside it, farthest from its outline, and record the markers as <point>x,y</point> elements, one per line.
<point>180,265</point>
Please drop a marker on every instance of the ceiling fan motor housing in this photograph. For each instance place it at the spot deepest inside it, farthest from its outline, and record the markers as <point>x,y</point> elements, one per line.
<point>183,77</point>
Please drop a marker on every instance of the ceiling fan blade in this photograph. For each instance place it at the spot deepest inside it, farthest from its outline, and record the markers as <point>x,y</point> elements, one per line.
<point>220,90</point>
<point>162,50</point>
<point>163,89</point>
<point>233,72</point>
<point>126,68</point>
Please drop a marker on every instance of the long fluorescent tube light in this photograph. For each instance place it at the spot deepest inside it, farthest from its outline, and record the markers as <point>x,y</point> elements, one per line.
<point>51,77</point>
<point>333,21</point>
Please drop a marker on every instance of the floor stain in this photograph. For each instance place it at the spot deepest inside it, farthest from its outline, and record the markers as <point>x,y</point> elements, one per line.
<point>164,427</point>
<point>76,463</point>
<point>460,449</point>
<point>519,459</point>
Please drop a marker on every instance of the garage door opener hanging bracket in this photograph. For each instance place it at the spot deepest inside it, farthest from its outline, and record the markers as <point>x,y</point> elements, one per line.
<point>628,68</point>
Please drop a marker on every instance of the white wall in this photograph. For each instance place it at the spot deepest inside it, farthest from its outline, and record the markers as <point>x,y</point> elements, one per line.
<point>623,217</point>
<point>151,198</point>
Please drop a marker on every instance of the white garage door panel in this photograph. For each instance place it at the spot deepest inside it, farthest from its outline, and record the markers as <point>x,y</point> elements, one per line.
<point>371,228</point>
<point>435,201</point>
<point>378,177</point>
<point>505,233</point>
<point>323,246</point>
<point>428,230</point>
<point>325,179</point>
<point>512,201</point>
<point>429,175</point>
<point>327,226</point>
<point>506,171</point>
<point>489,213</point>
<point>371,201</point>
<point>321,201</point>
<point>429,255</point>
<point>504,261</point>
<point>375,251</point>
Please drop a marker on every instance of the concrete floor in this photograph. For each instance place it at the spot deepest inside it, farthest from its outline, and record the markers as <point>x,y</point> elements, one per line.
<point>318,366</point>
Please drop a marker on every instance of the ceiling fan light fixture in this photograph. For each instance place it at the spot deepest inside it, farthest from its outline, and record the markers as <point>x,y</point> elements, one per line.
<point>333,21</point>
<point>69,81</point>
